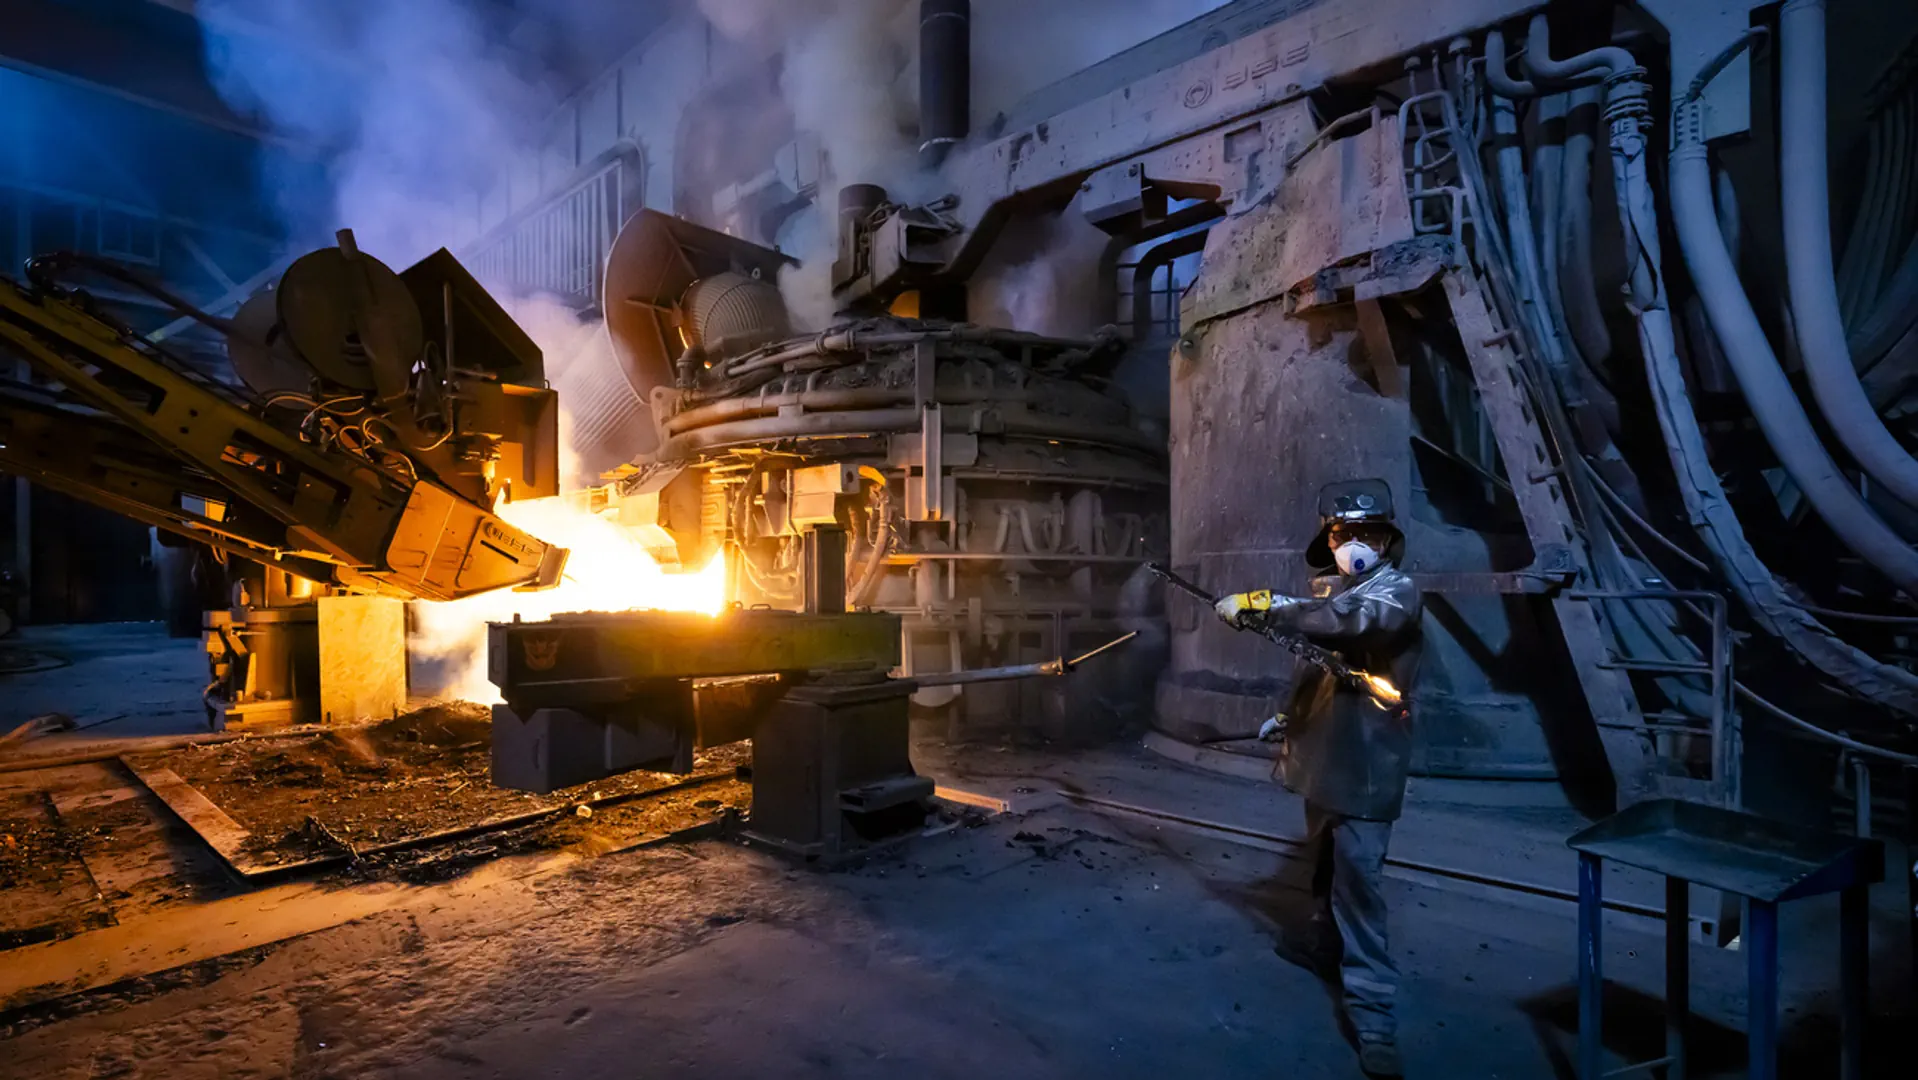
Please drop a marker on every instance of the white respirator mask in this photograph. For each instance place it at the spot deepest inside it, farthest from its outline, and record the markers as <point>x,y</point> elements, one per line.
<point>1355,557</point>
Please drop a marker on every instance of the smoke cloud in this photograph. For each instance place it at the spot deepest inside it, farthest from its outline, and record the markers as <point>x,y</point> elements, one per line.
<point>415,107</point>
<point>416,110</point>
<point>850,78</point>
<point>1043,277</point>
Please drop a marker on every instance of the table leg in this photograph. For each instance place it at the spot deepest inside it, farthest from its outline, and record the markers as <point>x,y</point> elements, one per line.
<point>1678,972</point>
<point>1761,990</point>
<point>1910,869</point>
<point>1591,980</point>
<point>1854,977</point>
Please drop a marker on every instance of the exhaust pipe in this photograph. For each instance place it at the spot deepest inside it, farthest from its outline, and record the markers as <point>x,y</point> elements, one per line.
<point>945,77</point>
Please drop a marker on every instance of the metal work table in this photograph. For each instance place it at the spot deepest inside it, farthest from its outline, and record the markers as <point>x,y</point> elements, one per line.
<point>1766,862</point>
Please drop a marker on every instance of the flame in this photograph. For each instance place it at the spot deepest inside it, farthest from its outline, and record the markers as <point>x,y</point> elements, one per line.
<point>1381,689</point>
<point>606,570</point>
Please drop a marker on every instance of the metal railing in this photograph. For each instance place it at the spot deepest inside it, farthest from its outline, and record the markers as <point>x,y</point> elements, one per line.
<point>559,247</point>
<point>1723,728</point>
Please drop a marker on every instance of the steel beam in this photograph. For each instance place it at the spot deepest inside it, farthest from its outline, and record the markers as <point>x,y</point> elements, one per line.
<point>60,43</point>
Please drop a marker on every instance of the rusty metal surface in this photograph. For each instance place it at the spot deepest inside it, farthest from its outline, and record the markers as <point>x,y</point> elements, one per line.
<point>1266,409</point>
<point>1341,202</point>
<point>1263,69</point>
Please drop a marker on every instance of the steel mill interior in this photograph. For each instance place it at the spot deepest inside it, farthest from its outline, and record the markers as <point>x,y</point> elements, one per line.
<point>958,538</point>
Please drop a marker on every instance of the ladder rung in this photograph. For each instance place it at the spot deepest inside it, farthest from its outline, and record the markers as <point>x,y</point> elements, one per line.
<point>1669,666</point>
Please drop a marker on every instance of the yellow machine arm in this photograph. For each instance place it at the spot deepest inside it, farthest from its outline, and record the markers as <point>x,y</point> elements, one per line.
<point>162,444</point>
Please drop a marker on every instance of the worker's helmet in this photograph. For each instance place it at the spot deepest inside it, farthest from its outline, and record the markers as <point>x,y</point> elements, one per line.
<point>1354,502</point>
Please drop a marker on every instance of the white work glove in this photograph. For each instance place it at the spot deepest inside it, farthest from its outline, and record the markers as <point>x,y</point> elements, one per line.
<point>1232,608</point>
<point>1273,729</point>
<point>1229,608</point>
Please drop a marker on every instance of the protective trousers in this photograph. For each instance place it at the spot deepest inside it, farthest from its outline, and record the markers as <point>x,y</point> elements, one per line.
<point>1348,873</point>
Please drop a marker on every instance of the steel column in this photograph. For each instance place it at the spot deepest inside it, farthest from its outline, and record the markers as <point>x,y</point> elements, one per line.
<point>1854,979</point>
<point>1678,972</point>
<point>1761,992</point>
<point>1910,872</point>
<point>1591,979</point>
<point>825,570</point>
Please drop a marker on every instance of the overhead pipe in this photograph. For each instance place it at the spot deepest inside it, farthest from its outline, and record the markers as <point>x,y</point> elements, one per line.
<point>1816,318</point>
<point>1548,168</point>
<point>1559,205</point>
<point>945,77</point>
<point>1860,244</point>
<point>1582,319</point>
<point>1598,64</point>
<point>1579,288</point>
<point>836,399</point>
<point>1498,75</point>
<point>1510,161</point>
<point>1538,302</point>
<point>1159,255</point>
<point>860,423</point>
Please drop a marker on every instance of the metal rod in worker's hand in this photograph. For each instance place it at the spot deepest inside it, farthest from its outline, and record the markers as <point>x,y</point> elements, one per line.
<point>1380,690</point>
<point>1059,666</point>
<point>1173,579</point>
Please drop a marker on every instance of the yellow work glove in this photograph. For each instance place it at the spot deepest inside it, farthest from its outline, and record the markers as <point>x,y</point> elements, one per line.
<point>1233,608</point>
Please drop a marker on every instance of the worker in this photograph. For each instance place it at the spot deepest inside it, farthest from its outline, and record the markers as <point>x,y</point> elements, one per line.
<point>1342,749</point>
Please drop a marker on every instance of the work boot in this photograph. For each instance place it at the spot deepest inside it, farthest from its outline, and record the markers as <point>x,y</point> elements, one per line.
<point>1379,1056</point>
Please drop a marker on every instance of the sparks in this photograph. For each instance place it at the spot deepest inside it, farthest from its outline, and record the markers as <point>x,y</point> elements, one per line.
<point>1384,694</point>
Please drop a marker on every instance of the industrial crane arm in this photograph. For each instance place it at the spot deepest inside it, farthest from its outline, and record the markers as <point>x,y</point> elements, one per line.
<point>181,452</point>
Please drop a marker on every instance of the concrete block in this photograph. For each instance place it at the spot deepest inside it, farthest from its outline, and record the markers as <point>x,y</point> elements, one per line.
<point>362,658</point>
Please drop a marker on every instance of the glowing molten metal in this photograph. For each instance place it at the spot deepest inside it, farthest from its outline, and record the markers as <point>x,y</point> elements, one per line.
<point>607,570</point>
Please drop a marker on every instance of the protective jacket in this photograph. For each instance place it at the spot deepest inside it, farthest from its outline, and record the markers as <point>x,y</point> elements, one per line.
<point>1342,750</point>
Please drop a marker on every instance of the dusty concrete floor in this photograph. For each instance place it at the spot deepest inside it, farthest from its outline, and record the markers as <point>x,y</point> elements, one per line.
<point>1053,941</point>
<point>117,679</point>
<point>1056,942</point>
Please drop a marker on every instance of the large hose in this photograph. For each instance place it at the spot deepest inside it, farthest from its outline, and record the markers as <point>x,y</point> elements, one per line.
<point>1710,512</point>
<point>1816,316</point>
<point>1579,290</point>
<point>1860,244</point>
<point>1773,403</point>
<point>1706,505</point>
<point>1643,629</point>
<point>1598,64</point>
